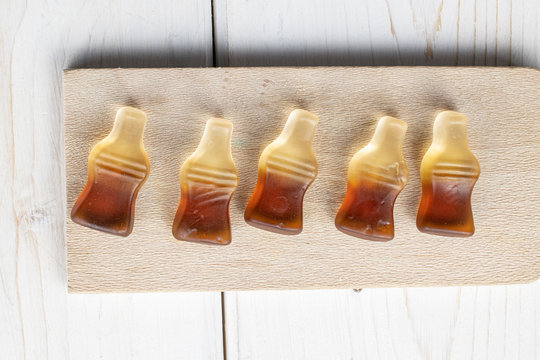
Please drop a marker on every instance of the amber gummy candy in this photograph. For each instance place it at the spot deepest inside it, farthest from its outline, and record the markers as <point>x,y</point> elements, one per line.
<point>208,179</point>
<point>286,169</point>
<point>448,172</point>
<point>117,168</point>
<point>377,174</point>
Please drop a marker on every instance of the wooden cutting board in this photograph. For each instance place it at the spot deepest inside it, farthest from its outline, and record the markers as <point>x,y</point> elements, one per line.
<point>504,133</point>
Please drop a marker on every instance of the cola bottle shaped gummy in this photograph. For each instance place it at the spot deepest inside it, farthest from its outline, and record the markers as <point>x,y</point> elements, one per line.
<point>208,179</point>
<point>117,168</point>
<point>287,167</point>
<point>448,172</point>
<point>376,175</point>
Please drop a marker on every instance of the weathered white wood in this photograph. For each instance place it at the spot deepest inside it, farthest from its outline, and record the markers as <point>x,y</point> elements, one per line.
<point>38,320</point>
<point>448,323</point>
<point>372,32</point>
<point>452,323</point>
<point>145,326</point>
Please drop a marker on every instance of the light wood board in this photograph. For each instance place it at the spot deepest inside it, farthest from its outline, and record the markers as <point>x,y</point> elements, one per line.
<point>503,134</point>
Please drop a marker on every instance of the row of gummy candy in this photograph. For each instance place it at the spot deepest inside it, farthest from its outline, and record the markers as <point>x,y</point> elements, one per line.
<point>118,166</point>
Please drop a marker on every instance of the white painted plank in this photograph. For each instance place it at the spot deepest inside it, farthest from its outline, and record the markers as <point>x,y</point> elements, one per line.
<point>445,323</point>
<point>38,320</point>
<point>372,32</point>
<point>144,326</point>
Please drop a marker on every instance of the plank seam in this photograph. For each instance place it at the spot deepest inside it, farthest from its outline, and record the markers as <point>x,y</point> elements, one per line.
<point>214,64</point>
<point>223,330</point>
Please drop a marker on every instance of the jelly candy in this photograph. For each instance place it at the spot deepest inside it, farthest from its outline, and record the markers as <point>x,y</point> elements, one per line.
<point>448,172</point>
<point>286,169</point>
<point>117,168</point>
<point>377,174</point>
<point>208,179</point>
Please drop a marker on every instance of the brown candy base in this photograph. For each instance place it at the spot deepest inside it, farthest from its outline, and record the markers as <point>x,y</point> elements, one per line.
<point>367,211</point>
<point>276,204</point>
<point>203,214</point>
<point>107,203</point>
<point>445,207</point>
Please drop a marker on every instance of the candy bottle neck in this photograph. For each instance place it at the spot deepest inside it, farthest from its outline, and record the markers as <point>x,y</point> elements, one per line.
<point>389,135</point>
<point>300,127</point>
<point>129,126</point>
<point>450,130</point>
<point>216,138</point>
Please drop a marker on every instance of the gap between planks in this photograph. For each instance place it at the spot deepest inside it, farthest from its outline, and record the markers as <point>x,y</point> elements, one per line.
<point>215,64</point>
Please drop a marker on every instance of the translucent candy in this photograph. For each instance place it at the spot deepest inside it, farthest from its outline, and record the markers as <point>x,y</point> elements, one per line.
<point>449,171</point>
<point>208,179</point>
<point>286,169</point>
<point>117,168</point>
<point>377,174</point>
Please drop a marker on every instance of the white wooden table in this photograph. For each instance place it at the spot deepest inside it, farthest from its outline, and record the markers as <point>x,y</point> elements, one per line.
<point>39,320</point>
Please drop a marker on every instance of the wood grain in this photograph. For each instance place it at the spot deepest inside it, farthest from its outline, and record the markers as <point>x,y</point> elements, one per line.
<point>373,32</point>
<point>484,322</point>
<point>503,134</point>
